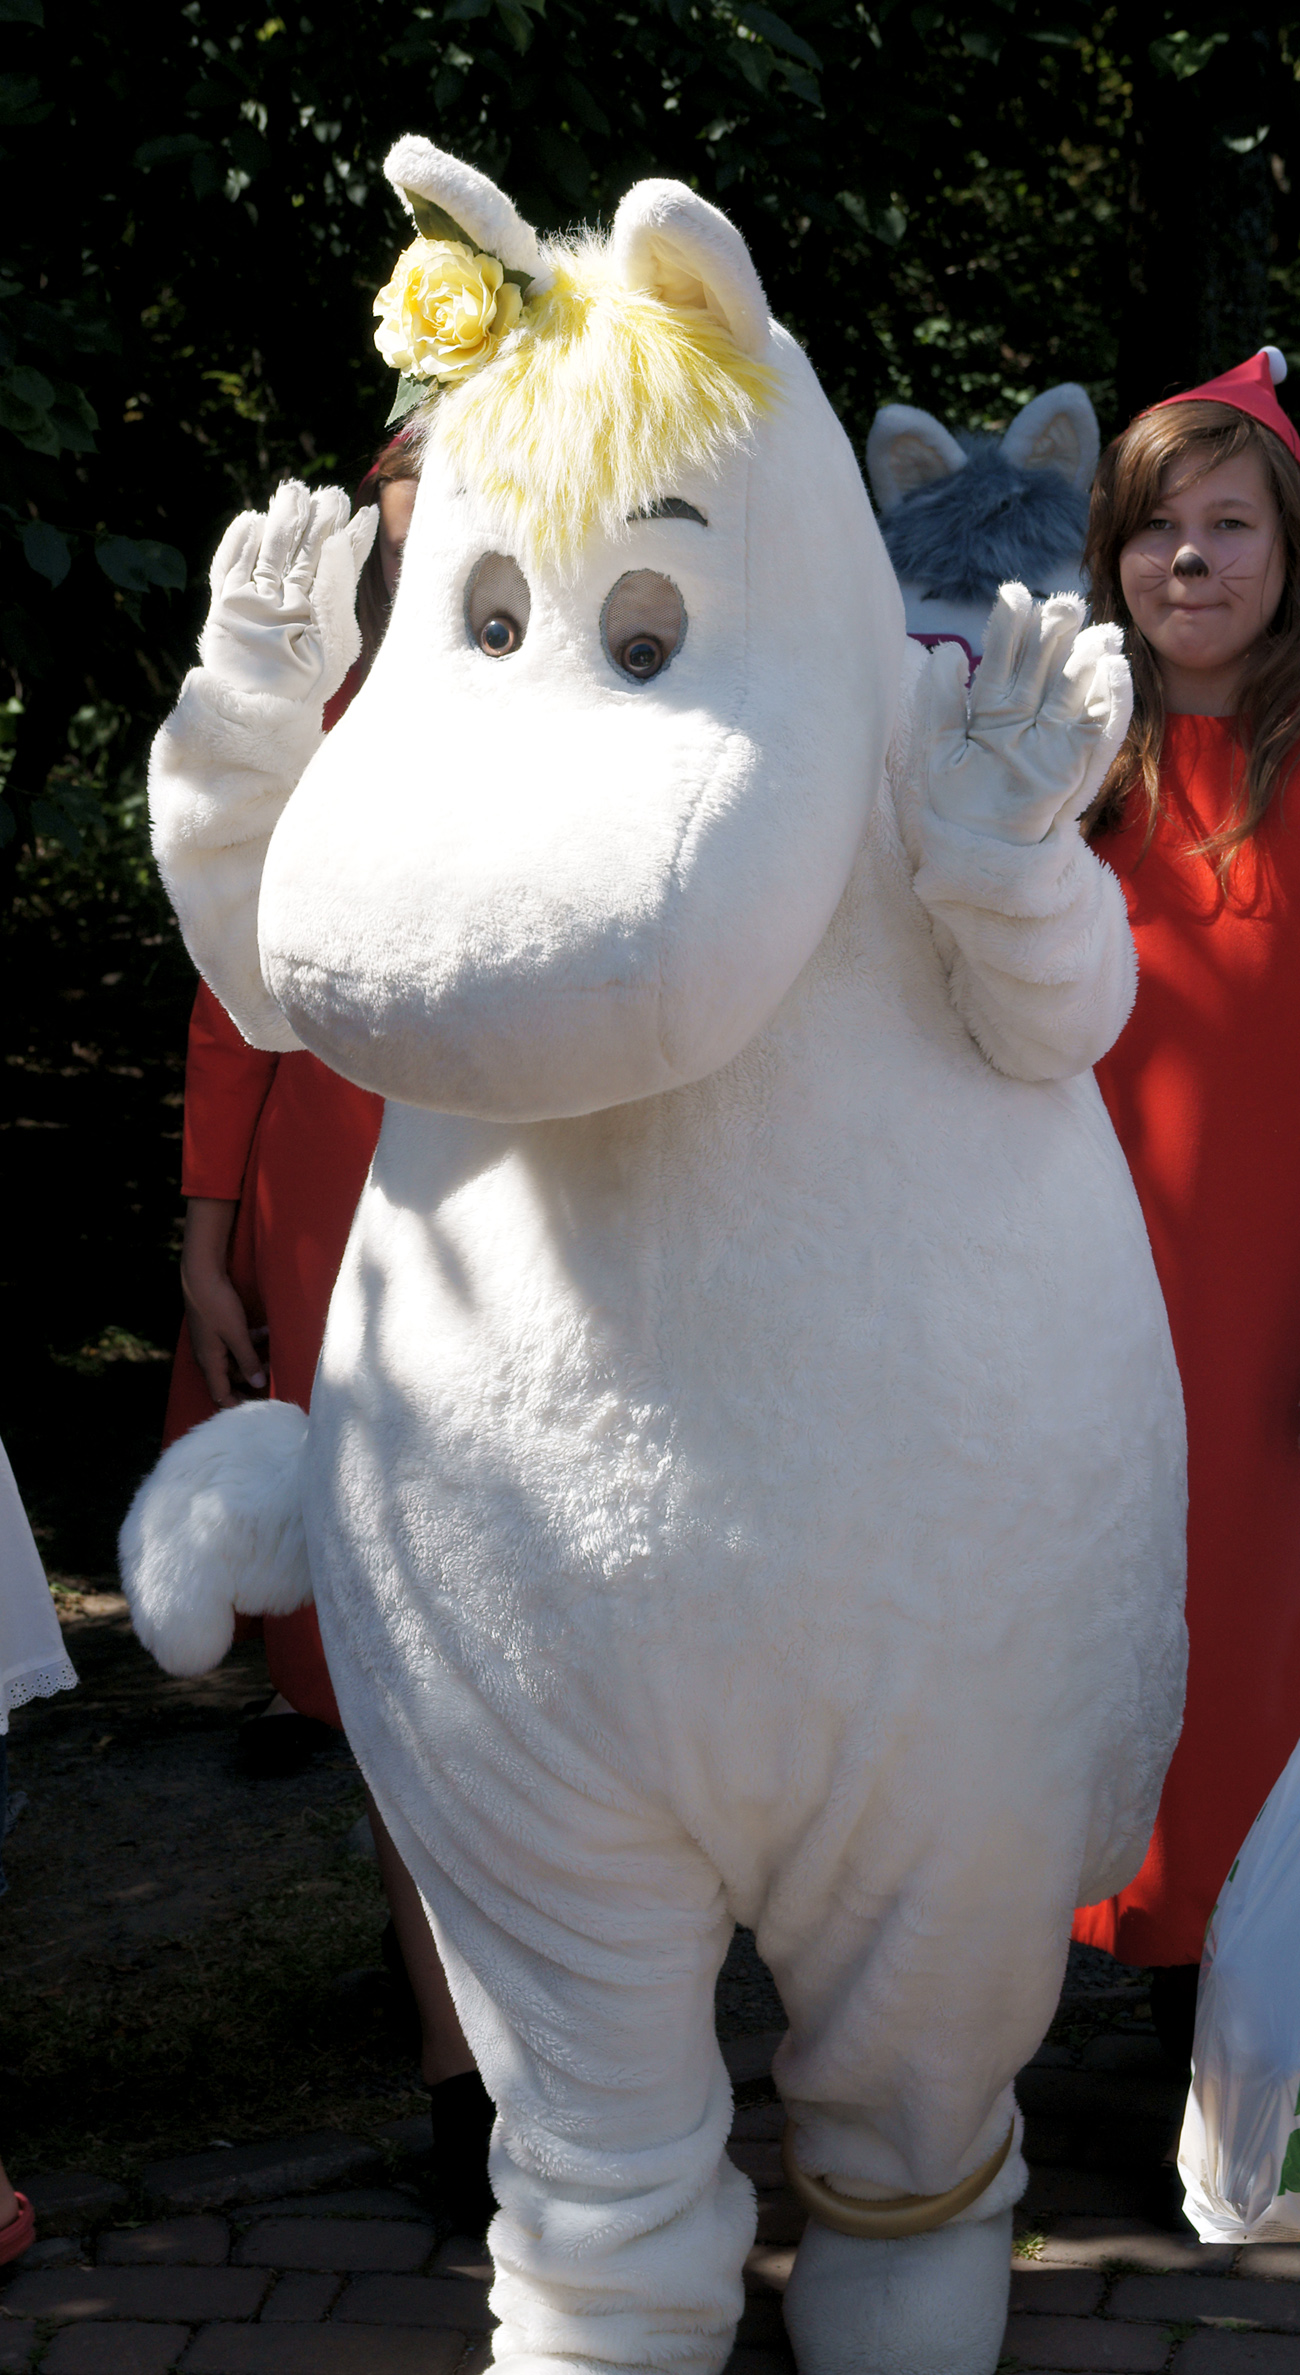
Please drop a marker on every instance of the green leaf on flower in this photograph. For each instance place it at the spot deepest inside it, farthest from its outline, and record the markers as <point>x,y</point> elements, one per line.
<point>432,222</point>
<point>410,392</point>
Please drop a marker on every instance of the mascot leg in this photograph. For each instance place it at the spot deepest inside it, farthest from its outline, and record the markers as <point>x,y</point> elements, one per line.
<point>582,1933</point>
<point>927,1984</point>
<point>925,2304</point>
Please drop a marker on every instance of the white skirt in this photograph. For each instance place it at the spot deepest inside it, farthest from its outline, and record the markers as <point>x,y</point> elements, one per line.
<point>33,1660</point>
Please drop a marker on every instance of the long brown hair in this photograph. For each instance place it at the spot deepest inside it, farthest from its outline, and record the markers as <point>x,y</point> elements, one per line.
<point>400,458</point>
<point>1125,494</point>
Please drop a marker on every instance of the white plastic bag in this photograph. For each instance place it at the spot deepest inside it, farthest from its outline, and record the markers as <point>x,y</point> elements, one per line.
<point>1239,2152</point>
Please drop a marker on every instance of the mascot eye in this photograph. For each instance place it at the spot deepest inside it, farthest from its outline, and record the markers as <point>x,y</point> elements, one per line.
<point>643,624</point>
<point>642,657</point>
<point>497,606</point>
<point>499,635</point>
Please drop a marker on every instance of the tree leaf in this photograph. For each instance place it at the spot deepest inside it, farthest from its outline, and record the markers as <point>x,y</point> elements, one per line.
<point>73,435</point>
<point>206,176</point>
<point>248,149</point>
<point>514,16</point>
<point>53,823</point>
<point>167,148</point>
<point>25,398</point>
<point>21,101</point>
<point>804,86</point>
<point>31,387</point>
<point>775,29</point>
<point>75,400</point>
<point>566,165</point>
<point>46,550</point>
<point>21,12</point>
<point>124,564</point>
<point>1184,54</point>
<point>165,565</point>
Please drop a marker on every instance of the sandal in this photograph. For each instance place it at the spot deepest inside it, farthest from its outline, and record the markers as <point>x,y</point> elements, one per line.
<point>20,2234</point>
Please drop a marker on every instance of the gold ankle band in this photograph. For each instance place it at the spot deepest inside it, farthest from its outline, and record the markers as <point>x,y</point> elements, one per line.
<point>901,2214</point>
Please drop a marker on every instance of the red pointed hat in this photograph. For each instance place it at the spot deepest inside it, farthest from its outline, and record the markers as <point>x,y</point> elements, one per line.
<point>1248,388</point>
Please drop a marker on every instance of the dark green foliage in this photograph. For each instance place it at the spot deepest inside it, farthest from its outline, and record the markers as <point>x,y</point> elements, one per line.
<point>951,204</point>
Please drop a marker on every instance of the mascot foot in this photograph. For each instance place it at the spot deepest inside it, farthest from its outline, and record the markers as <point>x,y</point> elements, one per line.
<point>923,2305</point>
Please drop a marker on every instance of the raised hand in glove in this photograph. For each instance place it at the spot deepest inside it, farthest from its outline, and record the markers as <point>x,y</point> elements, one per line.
<point>284,589</point>
<point>1048,710</point>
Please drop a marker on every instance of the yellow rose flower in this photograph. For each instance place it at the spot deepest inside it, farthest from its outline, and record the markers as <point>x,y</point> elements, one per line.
<point>445,311</point>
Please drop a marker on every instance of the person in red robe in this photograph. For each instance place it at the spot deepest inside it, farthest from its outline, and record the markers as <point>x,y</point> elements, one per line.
<point>275,1153</point>
<point>1194,549</point>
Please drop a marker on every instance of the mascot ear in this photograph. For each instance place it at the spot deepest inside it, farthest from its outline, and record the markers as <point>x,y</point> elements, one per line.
<point>447,199</point>
<point>670,241</point>
<point>907,449</point>
<point>1057,431</point>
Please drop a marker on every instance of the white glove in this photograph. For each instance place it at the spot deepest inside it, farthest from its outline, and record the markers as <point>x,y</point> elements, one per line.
<point>284,591</point>
<point>1048,710</point>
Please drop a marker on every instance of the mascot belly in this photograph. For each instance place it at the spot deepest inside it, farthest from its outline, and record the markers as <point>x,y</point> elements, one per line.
<point>744,1474</point>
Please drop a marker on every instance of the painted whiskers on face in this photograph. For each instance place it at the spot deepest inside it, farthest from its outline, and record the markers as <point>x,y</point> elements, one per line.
<point>1204,577</point>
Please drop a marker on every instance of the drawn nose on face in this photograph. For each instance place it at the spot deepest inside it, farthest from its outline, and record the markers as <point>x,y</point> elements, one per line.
<point>1188,563</point>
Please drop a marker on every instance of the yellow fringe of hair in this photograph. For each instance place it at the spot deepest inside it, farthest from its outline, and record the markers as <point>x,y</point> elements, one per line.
<point>593,408</point>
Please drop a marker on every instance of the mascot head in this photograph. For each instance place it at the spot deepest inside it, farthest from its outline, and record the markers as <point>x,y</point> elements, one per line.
<point>962,515</point>
<point>601,793</point>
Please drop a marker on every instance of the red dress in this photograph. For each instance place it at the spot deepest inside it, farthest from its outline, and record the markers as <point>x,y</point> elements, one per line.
<point>1203,1088</point>
<point>292,1142</point>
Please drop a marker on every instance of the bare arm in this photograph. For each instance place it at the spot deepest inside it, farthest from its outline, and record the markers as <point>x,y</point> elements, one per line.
<point>219,1331</point>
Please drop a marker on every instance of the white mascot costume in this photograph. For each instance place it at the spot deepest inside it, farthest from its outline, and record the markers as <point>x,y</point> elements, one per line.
<point>744,1477</point>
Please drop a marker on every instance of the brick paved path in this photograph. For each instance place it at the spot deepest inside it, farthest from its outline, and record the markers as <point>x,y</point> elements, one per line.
<point>356,2281</point>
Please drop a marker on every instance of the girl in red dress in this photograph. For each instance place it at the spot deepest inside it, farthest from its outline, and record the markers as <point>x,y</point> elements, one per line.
<point>275,1155</point>
<point>1194,549</point>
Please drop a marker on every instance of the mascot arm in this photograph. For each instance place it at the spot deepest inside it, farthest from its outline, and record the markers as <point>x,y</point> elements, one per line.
<point>1031,926</point>
<point>221,770</point>
<point>1040,959</point>
<point>280,636</point>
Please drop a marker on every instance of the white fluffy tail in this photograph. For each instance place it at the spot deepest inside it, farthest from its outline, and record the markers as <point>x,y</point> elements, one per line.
<point>214,1529</point>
